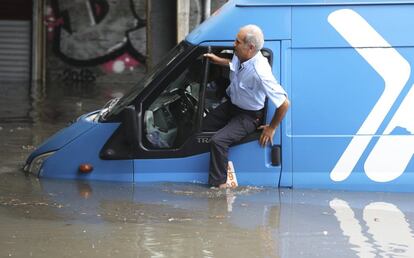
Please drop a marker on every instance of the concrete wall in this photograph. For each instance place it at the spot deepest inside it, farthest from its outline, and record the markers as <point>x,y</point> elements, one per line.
<point>105,41</point>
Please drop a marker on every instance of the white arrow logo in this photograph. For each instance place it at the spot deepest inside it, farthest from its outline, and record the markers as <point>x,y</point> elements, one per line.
<point>391,154</point>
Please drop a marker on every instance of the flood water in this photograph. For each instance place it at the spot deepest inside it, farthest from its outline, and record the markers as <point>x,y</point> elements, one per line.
<point>62,218</point>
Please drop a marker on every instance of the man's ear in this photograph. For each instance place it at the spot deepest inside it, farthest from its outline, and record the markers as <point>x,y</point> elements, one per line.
<point>251,47</point>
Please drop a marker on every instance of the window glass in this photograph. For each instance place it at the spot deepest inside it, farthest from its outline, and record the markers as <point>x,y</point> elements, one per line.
<point>172,117</point>
<point>217,83</point>
<point>180,50</point>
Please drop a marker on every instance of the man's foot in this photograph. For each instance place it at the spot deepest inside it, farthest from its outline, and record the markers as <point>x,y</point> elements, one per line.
<point>222,186</point>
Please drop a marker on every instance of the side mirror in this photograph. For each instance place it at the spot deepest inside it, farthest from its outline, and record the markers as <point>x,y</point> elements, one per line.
<point>130,126</point>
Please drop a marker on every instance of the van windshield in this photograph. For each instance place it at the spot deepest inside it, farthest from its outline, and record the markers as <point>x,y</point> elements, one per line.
<point>115,106</point>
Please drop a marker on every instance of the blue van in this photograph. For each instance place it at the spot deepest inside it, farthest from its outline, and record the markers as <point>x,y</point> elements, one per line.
<point>346,68</point>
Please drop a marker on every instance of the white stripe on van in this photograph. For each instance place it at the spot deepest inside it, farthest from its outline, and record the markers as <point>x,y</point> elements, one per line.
<point>388,63</point>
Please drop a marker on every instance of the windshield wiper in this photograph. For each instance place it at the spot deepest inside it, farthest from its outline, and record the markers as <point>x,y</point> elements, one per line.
<point>107,108</point>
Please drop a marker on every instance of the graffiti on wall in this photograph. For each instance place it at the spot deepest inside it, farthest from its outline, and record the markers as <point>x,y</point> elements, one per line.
<point>78,75</point>
<point>105,33</point>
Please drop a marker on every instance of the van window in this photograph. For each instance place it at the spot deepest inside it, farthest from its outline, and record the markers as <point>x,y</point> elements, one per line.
<point>174,113</point>
<point>172,117</point>
<point>170,58</point>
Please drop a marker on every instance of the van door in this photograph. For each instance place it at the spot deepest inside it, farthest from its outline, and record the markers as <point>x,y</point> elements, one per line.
<point>172,145</point>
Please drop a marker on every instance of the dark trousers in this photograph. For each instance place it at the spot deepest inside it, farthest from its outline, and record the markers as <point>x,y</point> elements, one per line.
<point>231,124</point>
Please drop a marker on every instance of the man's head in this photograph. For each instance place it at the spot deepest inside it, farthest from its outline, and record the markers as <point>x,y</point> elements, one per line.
<point>249,41</point>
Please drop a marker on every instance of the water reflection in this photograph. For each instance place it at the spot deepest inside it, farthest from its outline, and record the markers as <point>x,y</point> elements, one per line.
<point>170,218</point>
<point>11,93</point>
<point>163,220</point>
<point>29,114</point>
<point>388,233</point>
<point>54,106</point>
<point>189,220</point>
<point>352,228</point>
<point>347,224</point>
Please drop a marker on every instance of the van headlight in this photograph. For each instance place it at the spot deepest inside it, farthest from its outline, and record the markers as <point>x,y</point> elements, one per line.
<point>37,163</point>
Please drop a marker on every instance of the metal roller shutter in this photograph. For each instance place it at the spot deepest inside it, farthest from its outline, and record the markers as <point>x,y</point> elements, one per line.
<point>15,43</point>
<point>15,40</point>
<point>15,59</point>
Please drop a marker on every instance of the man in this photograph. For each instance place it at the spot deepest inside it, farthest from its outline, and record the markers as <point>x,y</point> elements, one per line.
<point>251,82</point>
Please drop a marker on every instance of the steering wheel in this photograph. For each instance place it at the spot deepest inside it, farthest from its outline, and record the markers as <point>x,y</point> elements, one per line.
<point>187,104</point>
<point>189,101</point>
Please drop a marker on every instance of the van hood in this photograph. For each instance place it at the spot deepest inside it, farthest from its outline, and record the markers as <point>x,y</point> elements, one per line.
<point>66,135</point>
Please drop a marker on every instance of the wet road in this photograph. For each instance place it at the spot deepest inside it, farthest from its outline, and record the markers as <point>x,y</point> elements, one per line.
<point>60,218</point>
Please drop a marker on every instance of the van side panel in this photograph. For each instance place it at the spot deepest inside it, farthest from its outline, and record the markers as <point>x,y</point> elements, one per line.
<point>85,150</point>
<point>310,27</point>
<point>351,97</point>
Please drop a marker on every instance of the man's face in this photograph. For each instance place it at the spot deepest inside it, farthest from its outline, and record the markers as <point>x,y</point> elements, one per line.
<point>242,50</point>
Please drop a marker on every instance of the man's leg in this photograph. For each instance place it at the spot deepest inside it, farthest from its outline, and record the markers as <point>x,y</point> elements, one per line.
<point>238,127</point>
<point>217,118</point>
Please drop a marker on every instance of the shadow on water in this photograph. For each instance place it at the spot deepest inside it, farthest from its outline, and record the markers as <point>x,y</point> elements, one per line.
<point>55,218</point>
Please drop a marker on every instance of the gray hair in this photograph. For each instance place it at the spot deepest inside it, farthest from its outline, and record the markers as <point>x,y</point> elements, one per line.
<point>254,36</point>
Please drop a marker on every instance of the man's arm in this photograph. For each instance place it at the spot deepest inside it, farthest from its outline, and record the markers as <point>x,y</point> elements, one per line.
<point>218,60</point>
<point>269,130</point>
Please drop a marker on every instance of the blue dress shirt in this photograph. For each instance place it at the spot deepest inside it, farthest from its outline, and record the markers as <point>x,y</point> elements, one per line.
<point>252,81</point>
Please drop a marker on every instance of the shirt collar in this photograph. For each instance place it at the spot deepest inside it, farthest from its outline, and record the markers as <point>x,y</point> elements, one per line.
<point>235,62</point>
<point>251,61</point>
